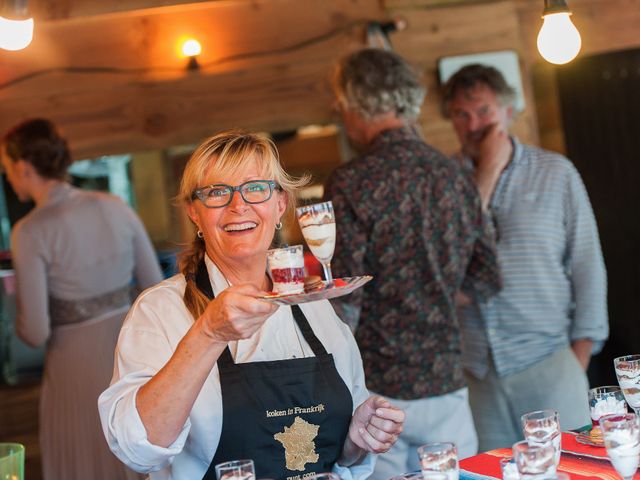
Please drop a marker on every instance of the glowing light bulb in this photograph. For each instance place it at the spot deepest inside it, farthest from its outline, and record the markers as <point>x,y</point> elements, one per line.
<point>15,34</point>
<point>191,48</point>
<point>559,40</point>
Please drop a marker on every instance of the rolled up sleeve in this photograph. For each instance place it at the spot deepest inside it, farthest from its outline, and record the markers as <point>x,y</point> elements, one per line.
<point>585,266</point>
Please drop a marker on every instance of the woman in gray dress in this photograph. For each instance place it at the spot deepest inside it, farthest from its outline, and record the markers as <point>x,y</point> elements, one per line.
<point>75,257</point>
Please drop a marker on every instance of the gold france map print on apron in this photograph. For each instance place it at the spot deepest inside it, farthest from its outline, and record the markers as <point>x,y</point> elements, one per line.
<point>298,443</point>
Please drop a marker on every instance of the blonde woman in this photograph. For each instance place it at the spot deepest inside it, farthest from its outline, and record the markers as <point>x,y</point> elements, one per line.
<point>207,372</point>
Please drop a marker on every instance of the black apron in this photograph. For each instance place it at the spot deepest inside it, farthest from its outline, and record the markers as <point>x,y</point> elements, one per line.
<point>291,417</point>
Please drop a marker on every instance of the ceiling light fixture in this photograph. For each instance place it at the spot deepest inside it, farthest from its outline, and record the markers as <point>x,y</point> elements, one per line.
<point>559,41</point>
<point>377,33</point>
<point>191,49</point>
<point>16,25</point>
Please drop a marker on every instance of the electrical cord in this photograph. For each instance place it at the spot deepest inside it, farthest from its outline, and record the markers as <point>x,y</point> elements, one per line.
<point>203,66</point>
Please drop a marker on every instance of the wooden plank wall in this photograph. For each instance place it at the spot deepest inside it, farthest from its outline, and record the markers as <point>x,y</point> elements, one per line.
<point>161,104</point>
<point>441,31</point>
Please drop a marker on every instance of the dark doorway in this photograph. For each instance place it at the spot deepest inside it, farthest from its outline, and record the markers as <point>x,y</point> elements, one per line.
<point>600,104</point>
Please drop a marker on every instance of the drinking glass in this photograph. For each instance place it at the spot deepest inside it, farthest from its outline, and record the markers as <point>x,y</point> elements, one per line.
<point>236,470</point>
<point>603,401</point>
<point>628,373</point>
<point>622,440</point>
<point>439,457</point>
<point>534,462</point>
<point>286,267</point>
<point>421,476</point>
<point>541,428</point>
<point>11,461</point>
<point>509,469</point>
<point>318,225</point>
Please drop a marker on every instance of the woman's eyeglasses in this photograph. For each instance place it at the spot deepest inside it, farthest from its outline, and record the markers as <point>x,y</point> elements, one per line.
<point>220,195</point>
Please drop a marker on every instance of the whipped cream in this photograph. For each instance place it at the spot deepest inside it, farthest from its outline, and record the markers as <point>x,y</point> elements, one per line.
<point>286,258</point>
<point>607,405</point>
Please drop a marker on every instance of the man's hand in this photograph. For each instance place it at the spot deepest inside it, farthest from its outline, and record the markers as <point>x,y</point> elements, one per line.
<point>582,350</point>
<point>494,154</point>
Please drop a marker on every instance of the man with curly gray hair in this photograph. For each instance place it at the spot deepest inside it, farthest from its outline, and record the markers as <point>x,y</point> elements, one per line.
<point>412,218</point>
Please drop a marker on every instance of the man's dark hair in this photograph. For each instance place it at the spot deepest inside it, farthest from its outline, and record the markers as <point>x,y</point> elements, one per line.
<point>468,77</point>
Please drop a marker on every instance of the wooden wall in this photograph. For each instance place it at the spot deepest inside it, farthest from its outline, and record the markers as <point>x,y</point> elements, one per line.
<point>265,66</point>
<point>145,99</point>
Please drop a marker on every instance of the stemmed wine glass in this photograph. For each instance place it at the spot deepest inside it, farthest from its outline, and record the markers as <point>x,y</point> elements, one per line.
<point>622,441</point>
<point>628,373</point>
<point>318,225</point>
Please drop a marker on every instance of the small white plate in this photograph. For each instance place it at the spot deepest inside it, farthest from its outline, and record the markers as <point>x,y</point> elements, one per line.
<point>339,287</point>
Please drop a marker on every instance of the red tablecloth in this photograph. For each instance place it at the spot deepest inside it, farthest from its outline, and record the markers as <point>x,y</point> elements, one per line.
<point>578,460</point>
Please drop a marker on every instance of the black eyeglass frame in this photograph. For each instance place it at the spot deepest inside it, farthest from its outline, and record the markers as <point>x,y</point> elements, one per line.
<point>199,192</point>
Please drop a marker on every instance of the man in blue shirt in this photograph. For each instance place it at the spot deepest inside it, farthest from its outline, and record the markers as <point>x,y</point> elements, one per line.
<point>528,347</point>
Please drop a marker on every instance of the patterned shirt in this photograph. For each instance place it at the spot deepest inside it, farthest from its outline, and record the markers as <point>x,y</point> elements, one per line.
<point>554,279</point>
<point>412,218</point>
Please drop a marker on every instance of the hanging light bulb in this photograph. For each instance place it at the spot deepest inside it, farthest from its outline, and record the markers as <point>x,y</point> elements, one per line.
<point>191,49</point>
<point>559,40</point>
<point>16,26</point>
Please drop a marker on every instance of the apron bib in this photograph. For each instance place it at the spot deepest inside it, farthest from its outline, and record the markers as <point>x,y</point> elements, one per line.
<point>291,417</point>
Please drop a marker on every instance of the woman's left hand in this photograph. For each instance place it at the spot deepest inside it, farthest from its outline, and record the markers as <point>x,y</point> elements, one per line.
<point>375,427</point>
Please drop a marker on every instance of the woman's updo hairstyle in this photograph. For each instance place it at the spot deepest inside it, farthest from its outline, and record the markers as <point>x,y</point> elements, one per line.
<point>38,142</point>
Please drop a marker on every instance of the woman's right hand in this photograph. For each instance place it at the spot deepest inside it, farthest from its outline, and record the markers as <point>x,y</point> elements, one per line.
<point>235,314</point>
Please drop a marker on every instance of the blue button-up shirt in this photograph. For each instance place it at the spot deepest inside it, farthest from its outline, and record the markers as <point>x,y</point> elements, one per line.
<point>554,279</point>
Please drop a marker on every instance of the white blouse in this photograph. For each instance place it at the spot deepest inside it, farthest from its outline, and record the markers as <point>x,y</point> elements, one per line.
<point>151,332</point>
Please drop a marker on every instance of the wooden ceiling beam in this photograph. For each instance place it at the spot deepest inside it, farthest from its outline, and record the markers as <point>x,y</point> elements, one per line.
<point>47,10</point>
<point>146,99</point>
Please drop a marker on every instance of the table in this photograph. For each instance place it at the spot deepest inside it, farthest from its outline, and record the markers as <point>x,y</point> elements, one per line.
<point>580,461</point>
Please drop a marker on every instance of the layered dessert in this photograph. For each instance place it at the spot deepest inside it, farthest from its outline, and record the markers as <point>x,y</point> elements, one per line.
<point>623,449</point>
<point>287,269</point>
<point>446,463</point>
<point>628,375</point>
<point>541,436</point>
<point>320,233</point>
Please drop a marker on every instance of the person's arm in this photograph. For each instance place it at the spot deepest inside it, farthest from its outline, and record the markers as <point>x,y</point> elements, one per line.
<point>482,277</point>
<point>164,403</point>
<point>147,270</point>
<point>33,324</point>
<point>145,411</point>
<point>351,244</point>
<point>582,350</point>
<point>585,266</point>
